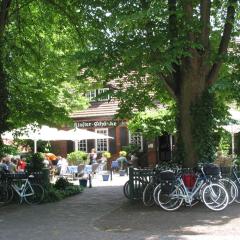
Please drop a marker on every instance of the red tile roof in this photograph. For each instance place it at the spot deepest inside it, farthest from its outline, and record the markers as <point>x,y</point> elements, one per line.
<point>98,109</point>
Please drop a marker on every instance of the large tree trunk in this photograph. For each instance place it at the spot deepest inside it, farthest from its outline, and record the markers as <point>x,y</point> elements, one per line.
<point>191,89</point>
<point>4,110</point>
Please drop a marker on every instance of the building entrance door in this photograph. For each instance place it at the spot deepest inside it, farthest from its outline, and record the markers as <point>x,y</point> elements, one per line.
<point>165,143</point>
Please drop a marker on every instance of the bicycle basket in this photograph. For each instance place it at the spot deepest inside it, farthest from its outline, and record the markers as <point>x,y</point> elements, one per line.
<point>168,180</point>
<point>211,170</point>
<point>167,175</point>
<point>189,179</point>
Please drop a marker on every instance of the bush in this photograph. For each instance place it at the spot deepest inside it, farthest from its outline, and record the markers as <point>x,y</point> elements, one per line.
<point>76,158</point>
<point>60,190</point>
<point>131,149</point>
<point>35,162</point>
<point>62,184</point>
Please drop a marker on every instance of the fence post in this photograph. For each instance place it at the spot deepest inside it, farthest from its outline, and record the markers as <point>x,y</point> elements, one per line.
<point>46,178</point>
<point>131,184</point>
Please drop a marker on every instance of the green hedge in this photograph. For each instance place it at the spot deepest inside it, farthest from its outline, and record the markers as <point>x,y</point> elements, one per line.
<point>60,190</point>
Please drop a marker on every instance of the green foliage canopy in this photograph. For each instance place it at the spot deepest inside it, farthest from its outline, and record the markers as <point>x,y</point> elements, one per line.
<point>38,59</point>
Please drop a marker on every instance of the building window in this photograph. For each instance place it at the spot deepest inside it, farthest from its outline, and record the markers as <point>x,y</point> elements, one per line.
<point>91,95</point>
<point>101,91</point>
<point>136,139</point>
<point>82,145</point>
<point>101,144</point>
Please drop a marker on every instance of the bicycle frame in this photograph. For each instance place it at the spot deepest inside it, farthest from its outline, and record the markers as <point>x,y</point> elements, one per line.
<point>235,175</point>
<point>189,195</point>
<point>21,190</point>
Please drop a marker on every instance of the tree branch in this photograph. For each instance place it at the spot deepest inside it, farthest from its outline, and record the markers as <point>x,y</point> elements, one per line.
<point>4,10</point>
<point>205,9</point>
<point>223,46</point>
<point>172,20</point>
<point>188,10</point>
<point>169,84</point>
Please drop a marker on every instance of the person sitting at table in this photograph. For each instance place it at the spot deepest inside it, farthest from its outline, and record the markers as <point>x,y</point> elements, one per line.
<point>12,165</point>
<point>134,160</point>
<point>21,167</point>
<point>3,165</point>
<point>122,161</point>
<point>102,163</point>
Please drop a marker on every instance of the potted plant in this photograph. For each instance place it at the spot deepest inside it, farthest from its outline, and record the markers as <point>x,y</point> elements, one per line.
<point>77,157</point>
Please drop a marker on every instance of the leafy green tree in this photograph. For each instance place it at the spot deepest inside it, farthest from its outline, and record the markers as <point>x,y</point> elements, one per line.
<point>37,65</point>
<point>162,50</point>
<point>153,123</point>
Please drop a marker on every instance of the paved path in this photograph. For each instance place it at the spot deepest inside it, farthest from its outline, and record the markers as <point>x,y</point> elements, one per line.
<point>103,213</point>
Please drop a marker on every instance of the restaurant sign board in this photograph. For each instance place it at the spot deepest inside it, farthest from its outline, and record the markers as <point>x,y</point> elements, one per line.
<point>100,124</point>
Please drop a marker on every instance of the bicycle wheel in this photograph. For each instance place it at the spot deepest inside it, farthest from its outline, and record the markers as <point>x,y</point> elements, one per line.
<point>6,194</point>
<point>138,188</point>
<point>148,199</point>
<point>34,194</point>
<point>3,195</point>
<point>170,201</point>
<point>126,190</point>
<point>237,183</point>
<point>231,188</point>
<point>215,197</point>
<point>155,193</point>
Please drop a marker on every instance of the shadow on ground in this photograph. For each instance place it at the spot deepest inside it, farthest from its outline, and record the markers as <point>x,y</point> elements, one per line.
<point>134,216</point>
<point>104,213</point>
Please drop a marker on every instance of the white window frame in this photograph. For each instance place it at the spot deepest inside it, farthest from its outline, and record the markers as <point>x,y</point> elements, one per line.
<point>138,134</point>
<point>96,140</point>
<point>102,90</point>
<point>79,142</point>
<point>91,95</point>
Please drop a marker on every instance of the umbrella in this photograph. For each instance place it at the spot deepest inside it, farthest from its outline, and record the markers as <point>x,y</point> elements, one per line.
<point>232,128</point>
<point>80,134</point>
<point>46,133</point>
<point>51,156</point>
<point>32,132</point>
<point>234,114</point>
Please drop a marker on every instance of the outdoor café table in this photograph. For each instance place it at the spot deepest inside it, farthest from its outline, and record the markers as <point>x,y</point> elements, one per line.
<point>72,169</point>
<point>87,170</point>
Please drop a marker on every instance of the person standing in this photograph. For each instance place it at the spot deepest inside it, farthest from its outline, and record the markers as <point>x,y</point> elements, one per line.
<point>92,156</point>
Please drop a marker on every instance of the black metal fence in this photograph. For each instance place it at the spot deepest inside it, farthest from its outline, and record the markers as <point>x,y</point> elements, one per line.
<point>139,178</point>
<point>35,177</point>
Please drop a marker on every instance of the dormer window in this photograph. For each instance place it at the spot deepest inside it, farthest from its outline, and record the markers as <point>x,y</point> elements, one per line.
<point>95,95</point>
<point>102,91</point>
<point>91,95</point>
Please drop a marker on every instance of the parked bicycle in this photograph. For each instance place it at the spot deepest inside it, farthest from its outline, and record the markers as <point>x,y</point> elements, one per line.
<point>31,193</point>
<point>173,191</point>
<point>236,180</point>
<point>150,192</point>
